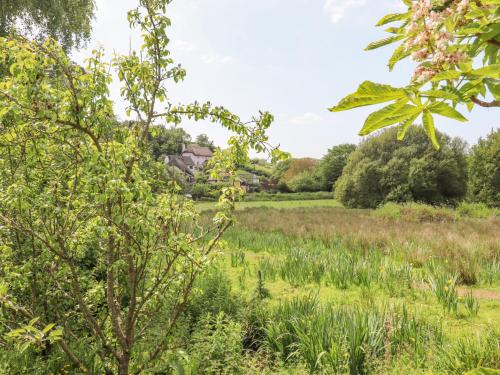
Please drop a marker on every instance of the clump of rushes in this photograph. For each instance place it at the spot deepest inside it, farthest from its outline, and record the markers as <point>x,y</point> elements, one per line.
<point>444,287</point>
<point>261,292</point>
<point>471,352</point>
<point>471,304</point>
<point>237,259</point>
<point>337,339</point>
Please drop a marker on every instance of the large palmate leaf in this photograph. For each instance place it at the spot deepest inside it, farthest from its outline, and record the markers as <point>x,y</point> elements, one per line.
<point>369,93</point>
<point>392,114</point>
<point>428,124</point>
<point>490,71</point>
<point>444,109</point>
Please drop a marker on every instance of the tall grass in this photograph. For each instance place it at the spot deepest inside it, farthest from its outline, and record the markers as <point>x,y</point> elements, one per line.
<point>470,247</point>
<point>336,339</point>
<point>470,353</point>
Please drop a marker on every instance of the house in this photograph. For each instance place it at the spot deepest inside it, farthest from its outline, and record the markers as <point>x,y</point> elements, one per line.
<point>192,160</point>
<point>183,163</point>
<point>198,154</point>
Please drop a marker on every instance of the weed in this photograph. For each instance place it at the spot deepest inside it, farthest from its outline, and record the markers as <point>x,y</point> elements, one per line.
<point>471,304</point>
<point>444,287</point>
<point>237,259</point>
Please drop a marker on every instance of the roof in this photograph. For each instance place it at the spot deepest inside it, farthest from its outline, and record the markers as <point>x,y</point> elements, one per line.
<point>198,150</point>
<point>181,162</point>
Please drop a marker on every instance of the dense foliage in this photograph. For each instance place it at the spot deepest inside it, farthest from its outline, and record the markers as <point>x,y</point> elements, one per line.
<point>333,163</point>
<point>383,169</point>
<point>167,141</point>
<point>456,46</point>
<point>484,170</point>
<point>68,21</point>
<point>98,256</point>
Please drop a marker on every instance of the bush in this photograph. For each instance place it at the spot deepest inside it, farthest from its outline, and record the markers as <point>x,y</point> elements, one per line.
<point>477,210</point>
<point>484,171</point>
<point>212,295</point>
<point>308,181</point>
<point>217,346</point>
<point>384,169</point>
<point>281,197</point>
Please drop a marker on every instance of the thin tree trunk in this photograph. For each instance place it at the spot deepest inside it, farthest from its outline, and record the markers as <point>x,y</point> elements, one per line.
<point>124,364</point>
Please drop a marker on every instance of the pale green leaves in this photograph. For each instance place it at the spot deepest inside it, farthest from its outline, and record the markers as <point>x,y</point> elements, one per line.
<point>383,42</point>
<point>369,93</point>
<point>407,107</point>
<point>428,124</point>
<point>392,114</point>
<point>393,17</point>
<point>443,109</point>
<point>461,70</point>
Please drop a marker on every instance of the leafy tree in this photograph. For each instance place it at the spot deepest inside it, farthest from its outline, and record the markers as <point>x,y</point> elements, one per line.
<point>297,166</point>
<point>331,166</point>
<point>308,180</point>
<point>204,141</point>
<point>383,169</point>
<point>456,46</point>
<point>97,255</point>
<point>167,141</point>
<point>68,21</point>
<point>484,170</point>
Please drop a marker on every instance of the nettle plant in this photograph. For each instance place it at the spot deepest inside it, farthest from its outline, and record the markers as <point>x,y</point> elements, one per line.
<point>456,46</point>
<point>98,256</point>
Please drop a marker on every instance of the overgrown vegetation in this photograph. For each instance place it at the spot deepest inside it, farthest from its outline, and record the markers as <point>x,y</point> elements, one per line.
<point>384,169</point>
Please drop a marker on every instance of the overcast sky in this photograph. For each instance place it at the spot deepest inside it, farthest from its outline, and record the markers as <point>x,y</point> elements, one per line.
<point>294,58</point>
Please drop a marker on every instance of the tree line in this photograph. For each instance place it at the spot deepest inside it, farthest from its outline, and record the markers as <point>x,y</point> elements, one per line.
<point>383,169</point>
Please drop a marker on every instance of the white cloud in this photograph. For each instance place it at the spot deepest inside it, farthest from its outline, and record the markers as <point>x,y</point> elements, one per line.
<point>215,59</point>
<point>305,119</point>
<point>337,9</point>
<point>183,46</point>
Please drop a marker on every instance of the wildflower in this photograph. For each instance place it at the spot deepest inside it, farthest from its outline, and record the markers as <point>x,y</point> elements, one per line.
<point>420,55</point>
<point>423,74</point>
<point>445,288</point>
<point>462,6</point>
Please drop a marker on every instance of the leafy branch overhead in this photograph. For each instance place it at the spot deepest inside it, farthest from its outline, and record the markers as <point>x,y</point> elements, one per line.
<point>456,46</point>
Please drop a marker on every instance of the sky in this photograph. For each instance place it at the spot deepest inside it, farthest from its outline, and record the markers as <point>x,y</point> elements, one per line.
<point>293,58</point>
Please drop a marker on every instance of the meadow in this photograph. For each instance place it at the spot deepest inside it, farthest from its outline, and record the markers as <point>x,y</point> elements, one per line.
<point>316,288</point>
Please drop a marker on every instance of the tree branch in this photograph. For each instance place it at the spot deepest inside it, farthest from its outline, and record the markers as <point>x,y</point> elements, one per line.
<point>494,103</point>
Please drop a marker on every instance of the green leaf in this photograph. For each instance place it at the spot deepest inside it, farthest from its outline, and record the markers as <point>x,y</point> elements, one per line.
<point>445,110</point>
<point>446,75</point>
<point>399,54</point>
<point>393,17</point>
<point>494,88</point>
<point>441,94</point>
<point>490,71</point>
<point>405,126</point>
<point>428,123</point>
<point>48,328</point>
<point>369,93</point>
<point>384,42</point>
<point>392,114</point>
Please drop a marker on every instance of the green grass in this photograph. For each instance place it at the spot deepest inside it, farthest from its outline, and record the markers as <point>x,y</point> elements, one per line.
<point>204,206</point>
<point>390,296</point>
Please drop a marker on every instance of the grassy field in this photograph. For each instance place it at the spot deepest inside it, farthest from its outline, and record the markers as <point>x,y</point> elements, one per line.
<point>203,206</point>
<point>358,291</point>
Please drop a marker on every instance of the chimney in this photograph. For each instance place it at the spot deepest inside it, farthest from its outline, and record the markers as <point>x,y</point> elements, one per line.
<point>183,148</point>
